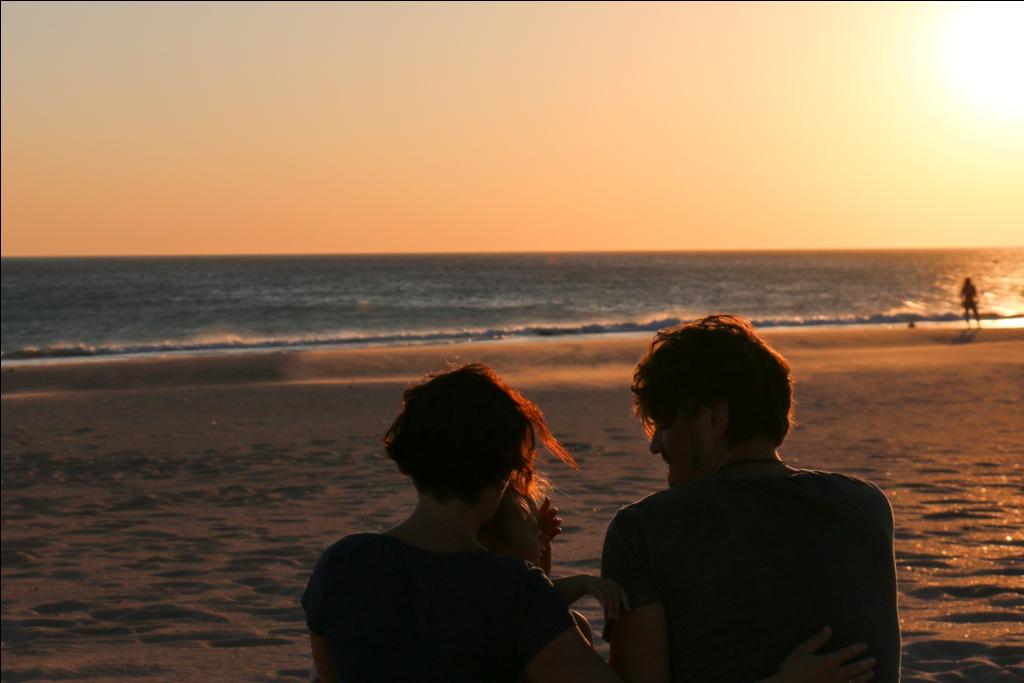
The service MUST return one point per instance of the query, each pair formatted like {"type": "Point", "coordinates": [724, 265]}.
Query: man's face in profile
{"type": "Point", "coordinates": [685, 446]}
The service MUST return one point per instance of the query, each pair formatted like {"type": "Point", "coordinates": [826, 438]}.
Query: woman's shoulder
{"type": "Point", "coordinates": [351, 547]}
{"type": "Point", "coordinates": [377, 543]}
{"type": "Point", "coordinates": [355, 542]}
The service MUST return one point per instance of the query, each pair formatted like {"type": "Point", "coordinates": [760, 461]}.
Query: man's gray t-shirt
{"type": "Point", "coordinates": [748, 567]}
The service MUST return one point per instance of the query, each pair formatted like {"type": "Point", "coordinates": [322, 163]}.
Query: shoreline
{"type": "Point", "coordinates": [409, 362]}
{"type": "Point", "coordinates": [439, 339]}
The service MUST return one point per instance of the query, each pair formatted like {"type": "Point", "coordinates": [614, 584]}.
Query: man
{"type": "Point", "coordinates": [742, 556]}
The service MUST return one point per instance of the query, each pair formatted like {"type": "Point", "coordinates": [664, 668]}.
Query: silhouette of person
{"type": "Point", "coordinates": [969, 300]}
{"type": "Point", "coordinates": [742, 553]}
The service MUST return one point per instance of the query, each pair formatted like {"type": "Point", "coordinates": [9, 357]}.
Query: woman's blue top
{"type": "Point", "coordinates": [392, 612]}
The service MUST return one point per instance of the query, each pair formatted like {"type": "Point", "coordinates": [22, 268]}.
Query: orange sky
{"type": "Point", "coordinates": [305, 128]}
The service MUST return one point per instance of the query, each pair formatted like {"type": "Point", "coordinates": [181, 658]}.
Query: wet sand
{"type": "Point", "coordinates": [160, 518]}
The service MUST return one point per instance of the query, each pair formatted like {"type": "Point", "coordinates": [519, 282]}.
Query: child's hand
{"type": "Point", "coordinates": [609, 594]}
{"type": "Point", "coordinates": [548, 522]}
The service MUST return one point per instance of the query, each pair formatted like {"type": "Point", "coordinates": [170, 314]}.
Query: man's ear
{"type": "Point", "coordinates": [719, 416]}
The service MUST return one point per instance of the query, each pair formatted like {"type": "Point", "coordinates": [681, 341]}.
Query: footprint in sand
{"type": "Point", "coordinates": [266, 586]}
{"type": "Point", "coordinates": [160, 613]}
{"type": "Point", "coordinates": [980, 617]}
{"type": "Point", "coordinates": [61, 607]}
{"type": "Point", "coordinates": [248, 642]}
{"type": "Point", "coordinates": [966, 591]}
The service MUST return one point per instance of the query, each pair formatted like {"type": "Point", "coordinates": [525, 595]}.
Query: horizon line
{"type": "Point", "coordinates": [508, 253]}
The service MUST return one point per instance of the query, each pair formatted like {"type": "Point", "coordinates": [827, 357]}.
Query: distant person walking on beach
{"type": "Point", "coordinates": [969, 300]}
{"type": "Point", "coordinates": [742, 553]}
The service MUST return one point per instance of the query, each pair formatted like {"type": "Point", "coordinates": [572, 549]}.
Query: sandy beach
{"type": "Point", "coordinates": [160, 517]}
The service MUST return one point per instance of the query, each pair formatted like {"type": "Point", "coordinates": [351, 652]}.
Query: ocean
{"type": "Point", "coordinates": [96, 307]}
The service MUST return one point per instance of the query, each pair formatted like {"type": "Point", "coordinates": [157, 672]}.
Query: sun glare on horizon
{"type": "Point", "coordinates": [983, 50]}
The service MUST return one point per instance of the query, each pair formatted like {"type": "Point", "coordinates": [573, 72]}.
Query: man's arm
{"type": "Point", "coordinates": [322, 658]}
{"type": "Point", "coordinates": [639, 637]}
{"type": "Point", "coordinates": [639, 645]}
{"type": "Point", "coordinates": [609, 594]}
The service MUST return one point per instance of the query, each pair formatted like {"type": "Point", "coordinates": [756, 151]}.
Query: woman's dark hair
{"type": "Point", "coordinates": [717, 358]}
{"type": "Point", "coordinates": [463, 430]}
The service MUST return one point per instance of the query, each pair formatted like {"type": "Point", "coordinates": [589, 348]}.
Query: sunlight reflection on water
{"type": "Point", "coordinates": [1006, 323]}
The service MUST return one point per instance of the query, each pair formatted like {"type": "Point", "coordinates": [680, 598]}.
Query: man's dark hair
{"type": "Point", "coordinates": [464, 430]}
{"type": "Point", "coordinates": [717, 358]}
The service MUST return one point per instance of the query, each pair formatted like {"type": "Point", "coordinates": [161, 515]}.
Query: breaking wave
{"type": "Point", "coordinates": [238, 343]}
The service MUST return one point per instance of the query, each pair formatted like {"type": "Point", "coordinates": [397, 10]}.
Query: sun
{"type": "Point", "coordinates": [984, 55]}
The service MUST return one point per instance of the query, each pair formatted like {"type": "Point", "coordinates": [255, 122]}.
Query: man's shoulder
{"type": "Point", "coordinates": [675, 502]}
{"type": "Point", "coordinates": [652, 501]}
{"type": "Point", "coordinates": [713, 492]}
{"type": "Point", "coordinates": [354, 543]}
{"type": "Point", "coordinates": [863, 499]}
{"type": "Point", "coordinates": [838, 483]}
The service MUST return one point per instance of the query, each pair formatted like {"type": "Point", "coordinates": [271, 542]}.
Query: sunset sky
{"type": "Point", "coordinates": [349, 128]}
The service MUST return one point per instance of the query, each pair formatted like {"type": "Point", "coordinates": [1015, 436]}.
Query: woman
{"type": "Point", "coordinates": [425, 601]}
